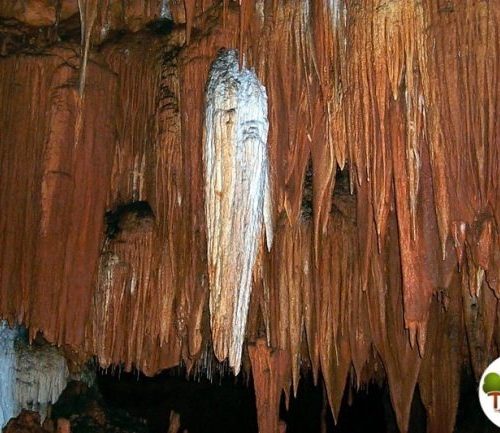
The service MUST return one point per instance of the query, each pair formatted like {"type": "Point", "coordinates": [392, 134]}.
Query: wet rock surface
{"type": "Point", "coordinates": [389, 269]}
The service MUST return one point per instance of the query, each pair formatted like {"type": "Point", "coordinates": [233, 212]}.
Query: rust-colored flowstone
{"type": "Point", "coordinates": [384, 166]}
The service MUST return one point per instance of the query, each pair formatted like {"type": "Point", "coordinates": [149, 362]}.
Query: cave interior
{"type": "Point", "coordinates": [248, 215]}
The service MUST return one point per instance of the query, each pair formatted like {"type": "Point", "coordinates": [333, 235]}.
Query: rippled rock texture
{"type": "Point", "coordinates": [384, 166]}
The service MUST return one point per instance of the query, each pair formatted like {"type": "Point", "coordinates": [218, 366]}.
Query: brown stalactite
{"type": "Point", "coordinates": [403, 95]}
{"type": "Point", "coordinates": [270, 378]}
{"type": "Point", "coordinates": [149, 136]}
{"type": "Point", "coordinates": [336, 279]}
{"type": "Point", "coordinates": [71, 173]}
{"type": "Point", "coordinates": [18, 253]}
{"type": "Point", "coordinates": [478, 305]}
{"type": "Point", "coordinates": [168, 199]}
{"type": "Point", "coordinates": [289, 126]}
{"type": "Point", "coordinates": [417, 289]}
{"type": "Point", "coordinates": [385, 312]}
{"type": "Point", "coordinates": [56, 286]}
{"type": "Point", "coordinates": [287, 290]}
{"type": "Point", "coordinates": [439, 378]}
{"type": "Point", "coordinates": [126, 290]}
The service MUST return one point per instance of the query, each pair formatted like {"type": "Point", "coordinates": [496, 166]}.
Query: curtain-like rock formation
{"type": "Point", "coordinates": [384, 112]}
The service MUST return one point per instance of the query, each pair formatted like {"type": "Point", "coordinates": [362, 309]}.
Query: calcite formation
{"type": "Point", "coordinates": [237, 197]}
{"type": "Point", "coordinates": [31, 377]}
{"type": "Point", "coordinates": [8, 406]}
{"type": "Point", "coordinates": [384, 166]}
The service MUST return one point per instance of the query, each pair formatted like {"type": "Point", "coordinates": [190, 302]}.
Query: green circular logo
{"type": "Point", "coordinates": [489, 392]}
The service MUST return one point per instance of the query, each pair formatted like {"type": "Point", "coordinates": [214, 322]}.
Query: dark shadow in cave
{"type": "Point", "coordinates": [226, 405]}
{"type": "Point", "coordinates": [365, 410]}
{"type": "Point", "coordinates": [470, 416]}
{"type": "Point", "coordinates": [126, 216]}
{"type": "Point", "coordinates": [161, 27]}
{"type": "Point", "coordinates": [343, 201]}
{"type": "Point", "coordinates": [307, 192]}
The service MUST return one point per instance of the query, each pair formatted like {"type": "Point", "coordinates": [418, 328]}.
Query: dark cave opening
{"type": "Point", "coordinates": [306, 206]}
{"type": "Point", "coordinates": [126, 216]}
{"type": "Point", "coordinates": [367, 409]}
{"type": "Point", "coordinates": [470, 417]}
{"type": "Point", "coordinates": [343, 199]}
{"type": "Point", "coordinates": [226, 404]}
{"type": "Point", "coordinates": [120, 402]}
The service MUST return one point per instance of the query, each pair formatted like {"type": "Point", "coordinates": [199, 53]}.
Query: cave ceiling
{"type": "Point", "coordinates": [383, 171]}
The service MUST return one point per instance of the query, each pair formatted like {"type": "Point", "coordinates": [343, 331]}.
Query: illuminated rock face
{"type": "Point", "coordinates": [412, 119]}
{"type": "Point", "coordinates": [237, 196]}
{"type": "Point", "coordinates": [30, 377]}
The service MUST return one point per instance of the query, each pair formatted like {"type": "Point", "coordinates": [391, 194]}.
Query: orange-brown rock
{"type": "Point", "coordinates": [26, 422]}
{"type": "Point", "coordinates": [401, 96]}
{"type": "Point", "coordinates": [270, 370]}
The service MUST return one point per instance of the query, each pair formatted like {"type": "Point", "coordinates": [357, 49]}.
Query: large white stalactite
{"type": "Point", "coordinates": [237, 196]}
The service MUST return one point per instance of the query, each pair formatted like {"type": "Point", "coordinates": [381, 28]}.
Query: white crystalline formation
{"type": "Point", "coordinates": [30, 377]}
{"type": "Point", "coordinates": [165, 10]}
{"type": "Point", "coordinates": [237, 196]}
{"type": "Point", "coordinates": [8, 404]}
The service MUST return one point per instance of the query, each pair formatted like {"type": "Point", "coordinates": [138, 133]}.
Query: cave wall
{"type": "Point", "coordinates": [395, 268]}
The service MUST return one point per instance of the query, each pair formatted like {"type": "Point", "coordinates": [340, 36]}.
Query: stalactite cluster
{"type": "Point", "coordinates": [383, 117]}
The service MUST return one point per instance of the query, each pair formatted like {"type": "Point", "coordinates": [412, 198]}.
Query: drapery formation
{"type": "Point", "coordinates": [392, 263]}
